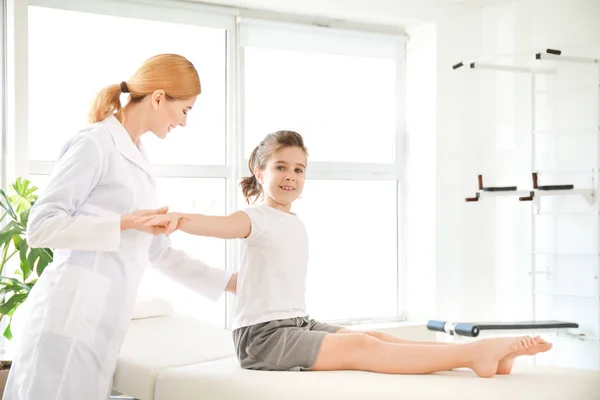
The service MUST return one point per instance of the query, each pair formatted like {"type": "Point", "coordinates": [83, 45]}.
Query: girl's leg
{"type": "Point", "coordinates": [505, 364]}
{"type": "Point", "coordinates": [363, 352]}
{"type": "Point", "coordinates": [386, 337]}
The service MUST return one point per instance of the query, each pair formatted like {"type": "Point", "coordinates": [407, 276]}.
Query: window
{"type": "Point", "coordinates": [193, 195]}
{"type": "Point", "coordinates": [326, 97]}
{"type": "Point", "coordinates": [353, 248]}
{"type": "Point", "coordinates": [342, 90]}
{"type": "Point", "coordinates": [64, 79]}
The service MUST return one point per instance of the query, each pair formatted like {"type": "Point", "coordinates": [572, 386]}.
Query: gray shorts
{"type": "Point", "coordinates": [282, 345]}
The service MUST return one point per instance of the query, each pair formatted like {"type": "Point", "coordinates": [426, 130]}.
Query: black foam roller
{"type": "Point", "coordinates": [466, 330]}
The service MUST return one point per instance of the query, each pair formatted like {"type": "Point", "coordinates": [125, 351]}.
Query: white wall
{"type": "Point", "coordinates": [483, 249]}
{"type": "Point", "coordinates": [420, 173]}
{"type": "Point", "coordinates": [439, 130]}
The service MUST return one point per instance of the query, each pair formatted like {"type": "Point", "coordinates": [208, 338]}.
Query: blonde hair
{"type": "Point", "coordinates": [172, 73]}
{"type": "Point", "coordinates": [260, 155]}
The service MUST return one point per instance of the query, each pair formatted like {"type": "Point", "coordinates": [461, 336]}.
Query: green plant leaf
{"type": "Point", "coordinates": [32, 258]}
{"type": "Point", "coordinates": [7, 233]}
{"type": "Point", "coordinates": [25, 270]}
{"type": "Point", "coordinates": [25, 216]}
{"type": "Point", "coordinates": [24, 187]}
{"type": "Point", "coordinates": [5, 203]}
{"type": "Point", "coordinates": [14, 309]}
{"type": "Point", "coordinates": [15, 284]}
{"type": "Point", "coordinates": [13, 288]}
{"type": "Point", "coordinates": [20, 204]}
{"type": "Point", "coordinates": [45, 259]}
{"type": "Point", "coordinates": [13, 302]}
{"type": "Point", "coordinates": [15, 210]}
{"type": "Point", "coordinates": [7, 332]}
{"type": "Point", "coordinates": [31, 283]}
{"type": "Point", "coordinates": [38, 260]}
{"type": "Point", "coordinates": [25, 194]}
{"type": "Point", "coordinates": [23, 247]}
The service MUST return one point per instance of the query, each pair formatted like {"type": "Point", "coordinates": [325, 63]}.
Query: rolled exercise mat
{"type": "Point", "coordinates": [472, 329]}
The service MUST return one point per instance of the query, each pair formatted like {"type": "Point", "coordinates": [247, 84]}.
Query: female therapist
{"type": "Point", "coordinates": [79, 310]}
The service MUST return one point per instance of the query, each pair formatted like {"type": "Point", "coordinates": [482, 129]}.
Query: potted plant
{"type": "Point", "coordinates": [20, 265]}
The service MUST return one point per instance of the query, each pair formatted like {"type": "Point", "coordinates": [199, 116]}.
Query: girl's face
{"type": "Point", "coordinates": [282, 179]}
{"type": "Point", "coordinates": [168, 113]}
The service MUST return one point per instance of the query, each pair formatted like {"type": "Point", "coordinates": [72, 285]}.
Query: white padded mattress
{"type": "Point", "coordinates": [167, 357]}
{"type": "Point", "coordinates": [225, 380]}
{"type": "Point", "coordinates": [155, 344]}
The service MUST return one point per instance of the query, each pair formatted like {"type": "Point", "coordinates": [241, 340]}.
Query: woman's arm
{"type": "Point", "coordinates": [51, 221]}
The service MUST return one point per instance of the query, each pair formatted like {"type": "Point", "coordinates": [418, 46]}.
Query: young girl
{"type": "Point", "coordinates": [272, 330]}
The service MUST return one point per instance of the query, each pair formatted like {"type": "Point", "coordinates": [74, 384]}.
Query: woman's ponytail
{"type": "Point", "coordinates": [107, 102]}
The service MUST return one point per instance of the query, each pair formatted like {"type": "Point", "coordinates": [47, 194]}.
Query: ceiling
{"type": "Point", "coordinates": [385, 12]}
{"type": "Point", "coordinates": [479, 3]}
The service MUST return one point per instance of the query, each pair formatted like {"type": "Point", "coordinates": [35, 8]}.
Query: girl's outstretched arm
{"type": "Point", "coordinates": [234, 226]}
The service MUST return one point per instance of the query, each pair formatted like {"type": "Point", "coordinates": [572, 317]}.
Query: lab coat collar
{"type": "Point", "coordinates": [125, 146]}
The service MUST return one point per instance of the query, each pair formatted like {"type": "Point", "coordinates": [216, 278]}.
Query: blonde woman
{"type": "Point", "coordinates": [80, 308]}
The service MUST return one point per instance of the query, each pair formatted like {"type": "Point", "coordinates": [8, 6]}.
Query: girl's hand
{"type": "Point", "coordinates": [132, 221]}
{"type": "Point", "coordinates": [169, 222]}
{"type": "Point", "coordinates": [232, 284]}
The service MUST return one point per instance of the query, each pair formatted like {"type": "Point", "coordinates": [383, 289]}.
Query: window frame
{"type": "Point", "coordinates": [321, 170]}
{"type": "Point", "coordinates": [3, 127]}
{"type": "Point", "coordinates": [235, 166]}
{"type": "Point", "coordinates": [3, 98]}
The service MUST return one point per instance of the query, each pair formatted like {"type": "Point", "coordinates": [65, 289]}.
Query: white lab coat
{"type": "Point", "coordinates": [79, 311]}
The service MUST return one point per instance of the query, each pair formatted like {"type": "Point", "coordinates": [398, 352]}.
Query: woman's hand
{"type": "Point", "coordinates": [169, 222]}
{"type": "Point", "coordinates": [132, 221]}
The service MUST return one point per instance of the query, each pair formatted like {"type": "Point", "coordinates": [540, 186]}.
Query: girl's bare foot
{"type": "Point", "coordinates": [505, 364]}
{"type": "Point", "coordinates": [487, 353]}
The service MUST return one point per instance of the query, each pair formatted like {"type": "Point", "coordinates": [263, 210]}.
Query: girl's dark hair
{"type": "Point", "coordinates": [260, 155]}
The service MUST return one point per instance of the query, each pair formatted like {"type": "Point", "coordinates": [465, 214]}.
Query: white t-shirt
{"type": "Point", "coordinates": [272, 278]}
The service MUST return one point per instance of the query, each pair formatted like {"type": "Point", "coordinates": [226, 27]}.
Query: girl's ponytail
{"type": "Point", "coordinates": [250, 186]}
